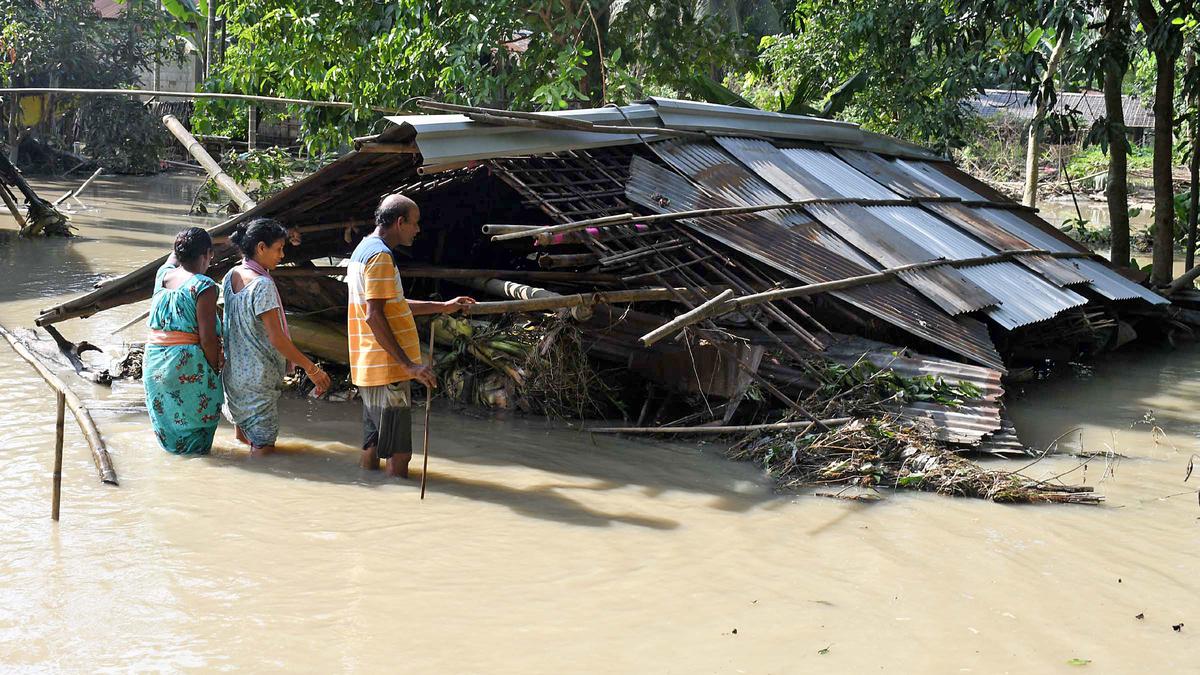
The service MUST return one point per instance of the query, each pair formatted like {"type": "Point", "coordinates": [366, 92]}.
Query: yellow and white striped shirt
{"type": "Point", "coordinates": [377, 279]}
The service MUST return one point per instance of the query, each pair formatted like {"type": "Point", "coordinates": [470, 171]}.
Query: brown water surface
{"type": "Point", "coordinates": [541, 551]}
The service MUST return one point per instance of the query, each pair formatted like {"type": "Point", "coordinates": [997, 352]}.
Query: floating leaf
{"type": "Point", "coordinates": [1078, 662]}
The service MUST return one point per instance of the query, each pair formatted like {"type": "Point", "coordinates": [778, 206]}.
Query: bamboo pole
{"type": "Point", "coordinates": [11, 203]}
{"type": "Point", "coordinates": [222, 179]}
{"type": "Point", "coordinates": [733, 429]}
{"type": "Point", "coordinates": [701, 312]}
{"type": "Point", "coordinates": [734, 304]}
{"type": "Point", "coordinates": [83, 186]}
{"type": "Point", "coordinates": [428, 407]}
{"type": "Point", "coordinates": [82, 417]}
{"type": "Point", "coordinates": [152, 93]}
{"type": "Point", "coordinates": [507, 229]}
{"type": "Point", "coordinates": [56, 497]}
{"type": "Point", "coordinates": [577, 300]}
{"type": "Point", "coordinates": [625, 218]}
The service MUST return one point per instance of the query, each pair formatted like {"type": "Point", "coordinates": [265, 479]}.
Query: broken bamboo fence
{"type": "Point", "coordinates": [67, 399]}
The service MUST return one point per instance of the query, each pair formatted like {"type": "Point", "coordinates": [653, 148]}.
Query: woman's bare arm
{"type": "Point", "coordinates": [206, 318]}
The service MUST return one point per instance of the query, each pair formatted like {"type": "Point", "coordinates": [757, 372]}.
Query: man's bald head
{"type": "Point", "coordinates": [393, 207]}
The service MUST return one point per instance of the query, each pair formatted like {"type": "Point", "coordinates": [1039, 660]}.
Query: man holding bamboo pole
{"type": "Point", "coordinates": [385, 352]}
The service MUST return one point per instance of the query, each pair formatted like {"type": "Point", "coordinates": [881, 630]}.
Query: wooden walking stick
{"type": "Point", "coordinates": [428, 405]}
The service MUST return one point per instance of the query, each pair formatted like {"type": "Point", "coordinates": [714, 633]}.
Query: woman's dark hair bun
{"type": "Point", "coordinates": [192, 243]}
{"type": "Point", "coordinates": [247, 236]}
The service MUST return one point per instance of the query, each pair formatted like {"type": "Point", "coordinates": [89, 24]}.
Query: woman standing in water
{"type": "Point", "coordinates": [182, 363]}
{"type": "Point", "coordinates": [257, 341]}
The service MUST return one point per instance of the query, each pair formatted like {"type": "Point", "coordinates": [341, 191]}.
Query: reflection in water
{"type": "Point", "coordinates": [541, 550]}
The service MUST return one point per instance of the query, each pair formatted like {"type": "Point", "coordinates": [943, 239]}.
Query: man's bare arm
{"type": "Point", "coordinates": [424, 307]}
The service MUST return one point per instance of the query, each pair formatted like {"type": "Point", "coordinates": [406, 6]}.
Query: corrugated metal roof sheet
{"type": "Point", "coordinates": [1059, 271]}
{"type": "Point", "coordinates": [845, 180]}
{"type": "Point", "coordinates": [1024, 297]}
{"type": "Point", "coordinates": [967, 424]}
{"type": "Point", "coordinates": [806, 174]}
{"type": "Point", "coordinates": [1104, 281]}
{"type": "Point", "coordinates": [795, 251]}
{"type": "Point", "coordinates": [716, 119]}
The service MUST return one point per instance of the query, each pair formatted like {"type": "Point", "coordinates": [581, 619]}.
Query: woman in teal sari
{"type": "Point", "coordinates": [181, 369]}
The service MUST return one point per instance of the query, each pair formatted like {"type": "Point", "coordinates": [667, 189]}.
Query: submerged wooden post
{"type": "Point", "coordinates": [222, 179]}
{"type": "Point", "coordinates": [58, 446]}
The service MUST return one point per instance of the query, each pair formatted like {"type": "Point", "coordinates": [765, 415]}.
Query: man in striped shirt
{"type": "Point", "coordinates": [385, 352]}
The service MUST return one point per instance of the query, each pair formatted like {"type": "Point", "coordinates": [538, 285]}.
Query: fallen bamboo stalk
{"type": "Point", "coordinates": [495, 228]}
{"type": "Point", "coordinates": [11, 203]}
{"type": "Point", "coordinates": [732, 429]}
{"type": "Point", "coordinates": [551, 261]}
{"type": "Point", "coordinates": [701, 312]}
{"type": "Point", "coordinates": [82, 417]}
{"type": "Point", "coordinates": [735, 304]}
{"type": "Point", "coordinates": [624, 218]}
{"type": "Point", "coordinates": [577, 300]}
{"type": "Point", "coordinates": [151, 93]}
{"type": "Point", "coordinates": [196, 150]}
{"type": "Point", "coordinates": [83, 186]}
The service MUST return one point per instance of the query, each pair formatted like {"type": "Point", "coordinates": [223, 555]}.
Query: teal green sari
{"type": "Point", "coordinates": [183, 392]}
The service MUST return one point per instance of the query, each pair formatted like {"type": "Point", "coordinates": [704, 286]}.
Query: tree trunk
{"type": "Point", "coordinates": [1194, 177]}
{"type": "Point", "coordinates": [1164, 189]}
{"type": "Point", "coordinates": [210, 24]}
{"type": "Point", "coordinates": [595, 35]}
{"type": "Point", "coordinates": [1117, 188]}
{"type": "Point", "coordinates": [1033, 148]}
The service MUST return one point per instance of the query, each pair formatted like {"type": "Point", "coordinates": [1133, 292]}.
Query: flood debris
{"type": "Point", "coordinates": [680, 265]}
{"type": "Point", "coordinates": [41, 218]}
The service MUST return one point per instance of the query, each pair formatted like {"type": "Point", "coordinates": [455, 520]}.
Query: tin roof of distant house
{"type": "Point", "coordinates": [1089, 105]}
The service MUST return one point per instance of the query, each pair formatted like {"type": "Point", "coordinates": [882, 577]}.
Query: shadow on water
{"type": "Point", "coordinates": [336, 463]}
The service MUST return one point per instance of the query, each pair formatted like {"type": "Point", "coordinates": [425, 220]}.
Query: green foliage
{"type": "Point", "coordinates": [67, 43]}
{"type": "Point", "coordinates": [886, 384]}
{"type": "Point", "coordinates": [1093, 159]}
{"type": "Point", "coordinates": [261, 172]}
{"type": "Point", "coordinates": [545, 54]}
{"type": "Point", "coordinates": [121, 135]}
{"type": "Point", "coordinates": [925, 58]}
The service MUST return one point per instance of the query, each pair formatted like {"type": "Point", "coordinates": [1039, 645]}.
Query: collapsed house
{"type": "Point", "coordinates": [922, 269]}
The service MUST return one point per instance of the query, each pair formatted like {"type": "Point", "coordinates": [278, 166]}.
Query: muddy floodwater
{"type": "Point", "coordinates": [539, 550]}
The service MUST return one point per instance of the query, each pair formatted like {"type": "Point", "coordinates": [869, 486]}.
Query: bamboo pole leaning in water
{"type": "Point", "coordinates": [83, 418]}
{"type": "Point", "coordinates": [428, 405]}
{"type": "Point", "coordinates": [222, 179]}
{"type": "Point", "coordinates": [75, 193]}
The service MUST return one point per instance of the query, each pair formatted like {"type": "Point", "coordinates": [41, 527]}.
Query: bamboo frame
{"type": "Point", "coordinates": [83, 418]}
{"type": "Point", "coordinates": [222, 179]}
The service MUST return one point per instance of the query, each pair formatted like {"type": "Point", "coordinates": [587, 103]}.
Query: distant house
{"type": "Point", "coordinates": [1089, 105]}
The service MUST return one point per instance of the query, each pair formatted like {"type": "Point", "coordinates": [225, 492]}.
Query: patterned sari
{"type": "Point", "coordinates": [183, 392]}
